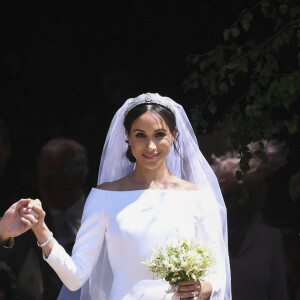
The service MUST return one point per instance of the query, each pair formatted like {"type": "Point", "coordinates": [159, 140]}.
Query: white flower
{"type": "Point", "coordinates": [186, 260]}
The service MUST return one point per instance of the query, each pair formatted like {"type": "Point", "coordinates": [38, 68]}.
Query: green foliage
{"type": "Point", "coordinates": [253, 84]}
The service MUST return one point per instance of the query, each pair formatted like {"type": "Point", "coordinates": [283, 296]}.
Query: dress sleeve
{"type": "Point", "coordinates": [209, 233]}
{"type": "Point", "coordinates": [75, 270]}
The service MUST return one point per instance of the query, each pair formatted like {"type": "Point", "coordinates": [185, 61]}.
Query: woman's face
{"type": "Point", "coordinates": [150, 139]}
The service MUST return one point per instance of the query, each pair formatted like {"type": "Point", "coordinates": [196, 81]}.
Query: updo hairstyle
{"type": "Point", "coordinates": [165, 113]}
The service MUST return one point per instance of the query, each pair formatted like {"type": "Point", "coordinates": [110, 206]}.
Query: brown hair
{"type": "Point", "coordinates": [165, 113]}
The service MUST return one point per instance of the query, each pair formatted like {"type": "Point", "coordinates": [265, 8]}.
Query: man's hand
{"type": "Point", "coordinates": [13, 223]}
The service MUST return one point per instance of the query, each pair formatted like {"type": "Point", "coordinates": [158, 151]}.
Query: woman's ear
{"type": "Point", "coordinates": [174, 133]}
{"type": "Point", "coordinates": [127, 134]}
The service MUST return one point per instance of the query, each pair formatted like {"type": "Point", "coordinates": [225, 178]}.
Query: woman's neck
{"type": "Point", "coordinates": [150, 178]}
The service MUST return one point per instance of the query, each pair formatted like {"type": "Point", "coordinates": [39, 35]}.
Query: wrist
{"type": "Point", "coordinates": [41, 231]}
{"type": "Point", "coordinates": [4, 240]}
{"type": "Point", "coordinates": [44, 239]}
{"type": "Point", "coordinates": [46, 242]}
{"type": "Point", "coordinates": [3, 237]}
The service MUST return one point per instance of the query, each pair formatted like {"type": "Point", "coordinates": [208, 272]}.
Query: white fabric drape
{"type": "Point", "coordinates": [190, 165]}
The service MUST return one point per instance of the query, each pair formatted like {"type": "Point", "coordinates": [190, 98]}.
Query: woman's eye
{"type": "Point", "coordinates": [160, 134]}
{"type": "Point", "coordinates": [140, 135]}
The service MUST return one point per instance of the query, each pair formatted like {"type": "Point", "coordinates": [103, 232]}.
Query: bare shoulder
{"type": "Point", "coordinates": [190, 186]}
{"type": "Point", "coordinates": [117, 185]}
{"type": "Point", "coordinates": [105, 186]}
{"type": "Point", "coordinates": [185, 185]}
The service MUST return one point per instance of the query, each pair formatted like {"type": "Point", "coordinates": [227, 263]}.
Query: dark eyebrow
{"type": "Point", "coordinates": [161, 129]}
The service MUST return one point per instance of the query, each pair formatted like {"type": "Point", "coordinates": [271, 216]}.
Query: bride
{"type": "Point", "coordinates": [154, 186]}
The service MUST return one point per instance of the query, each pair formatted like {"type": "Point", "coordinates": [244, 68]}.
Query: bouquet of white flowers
{"type": "Point", "coordinates": [186, 260]}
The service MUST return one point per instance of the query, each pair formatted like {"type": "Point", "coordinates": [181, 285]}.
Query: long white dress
{"type": "Point", "coordinates": [133, 223]}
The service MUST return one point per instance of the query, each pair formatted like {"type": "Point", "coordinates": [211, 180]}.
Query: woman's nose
{"type": "Point", "coordinates": [151, 145]}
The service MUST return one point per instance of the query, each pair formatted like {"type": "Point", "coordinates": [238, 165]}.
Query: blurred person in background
{"type": "Point", "coordinates": [256, 251]}
{"type": "Point", "coordinates": [62, 169]}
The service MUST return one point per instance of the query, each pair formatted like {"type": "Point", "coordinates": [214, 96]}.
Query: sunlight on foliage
{"type": "Point", "coordinates": [252, 80]}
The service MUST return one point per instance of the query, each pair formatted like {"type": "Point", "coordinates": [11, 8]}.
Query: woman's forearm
{"type": "Point", "coordinates": [42, 234]}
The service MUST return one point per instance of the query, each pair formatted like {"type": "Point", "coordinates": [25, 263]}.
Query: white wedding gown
{"type": "Point", "coordinates": [133, 223]}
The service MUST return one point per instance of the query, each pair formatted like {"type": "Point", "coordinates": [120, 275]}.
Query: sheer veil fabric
{"type": "Point", "coordinates": [190, 165]}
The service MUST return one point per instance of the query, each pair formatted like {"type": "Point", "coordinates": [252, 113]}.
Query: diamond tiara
{"type": "Point", "coordinates": [149, 99]}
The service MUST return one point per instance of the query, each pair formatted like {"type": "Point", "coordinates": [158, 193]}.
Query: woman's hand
{"type": "Point", "coordinates": [194, 289]}
{"type": "Point", "coordinates": [189, 289]}
{"type": "Point", "coordinates": [29, 215]}
{"type": "Point", "coordinates": [40, 229]}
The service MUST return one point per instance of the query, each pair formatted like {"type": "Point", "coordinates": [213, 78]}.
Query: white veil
{"type": "Point", "coordinates": [190, 165]}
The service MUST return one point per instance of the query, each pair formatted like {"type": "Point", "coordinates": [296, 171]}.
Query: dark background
{"type": "Point", "coordinates": [66, 67]}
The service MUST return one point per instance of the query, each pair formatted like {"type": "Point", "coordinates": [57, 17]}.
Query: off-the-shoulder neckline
{"type": "Point", "coordinates": [144, 190]}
